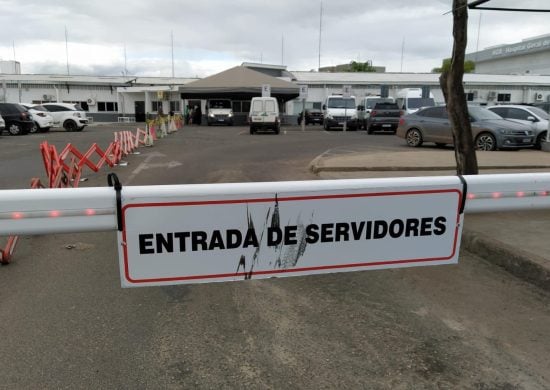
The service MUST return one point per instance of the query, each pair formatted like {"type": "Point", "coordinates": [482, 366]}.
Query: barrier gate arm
{"type": "Point", "coordinates": [67, 210]}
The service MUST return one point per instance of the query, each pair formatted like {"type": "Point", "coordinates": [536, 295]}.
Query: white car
{"type": "Point", "coordinates": [2, 124]}
{"type": "Point", "coordinates": [535, 117]}
{"type": "Point", "coordinates": [40, 116]}
{"type": "Point", "coordinates": [69, 115]}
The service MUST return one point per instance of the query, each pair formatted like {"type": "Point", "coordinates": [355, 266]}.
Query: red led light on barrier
{"type": "Point", "coordinates": [54, 213]}
{"type": "Point", "coordinates": [520, 194]}
{"type": "Point", "coordinates": [17, 215]}
{"type": "Point", "coordinates": [496, 195]}
{"type": "Point", "coordinates": [471, 196]}
{"type": "Point", "coordinates": [90, 212]}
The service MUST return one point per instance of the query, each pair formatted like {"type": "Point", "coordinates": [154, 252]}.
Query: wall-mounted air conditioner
{"type": "Point", "coordinates": [538, 97]}
{"type": "Point", "coordinates": [91, 101]}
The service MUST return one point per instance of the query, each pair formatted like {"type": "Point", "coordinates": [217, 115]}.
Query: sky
{"type": "Point", "coordinates": [209, 36]}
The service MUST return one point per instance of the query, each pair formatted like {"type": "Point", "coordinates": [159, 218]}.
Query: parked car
{"type": "Point", "coordinates": [383, 116]}
{"type": "Point", "coordinates": [69, 115]}
{"type": "Point", "coordinates": [40, 116]}
{"type": "Point", "coordinates": [219, 111]}
{"type": "Point", "coordinates": [489, 130]}
{"type": "Point", "coordinates": [528, 115]}
{"type": "Point", "coordinates": [313, 115]}
{"type": "Point", "coordinates": [17, 118]}
{"type": "Point", "coordinates": [2, 124]}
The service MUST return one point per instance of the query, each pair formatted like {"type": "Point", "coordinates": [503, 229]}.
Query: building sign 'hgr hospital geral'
{"type": "Point", "coordinates": [221, 237]}
{"type": "Point", "coordinates": [529, 46]}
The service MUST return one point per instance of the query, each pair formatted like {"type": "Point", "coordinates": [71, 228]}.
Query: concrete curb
{"type": "Point", "coordinates": [521, 264]}
{"type": "Point", "coordinates": [317, 169]}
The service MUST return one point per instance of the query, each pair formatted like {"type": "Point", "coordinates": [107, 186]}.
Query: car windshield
{"type": "Point", "coordinates": [420, 102]}
{"type": "Point", "coordinates": [77, 107]}
{"type": "Point", "coordinates": [220, 104]}
{"type": "Point", "coordinates": [341, 103]}
{"type": "Point", "coordinates": [373, 102]}
{"type": "Point", "coordinates": [540, 112]}
{"type": "Point", "coordinates": [482, 114]}
{"type": "Point", "coordinates": [40, 108]}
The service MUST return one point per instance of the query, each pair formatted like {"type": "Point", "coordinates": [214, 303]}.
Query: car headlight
{"type": "Point", "coordinates": [211, 115]}
{"type": "Point", "coordinates": [230, 114]}
{"type": "Point", "coordinates": [329, 116]}
{"type": "Point", "coordinates": [506, 131]}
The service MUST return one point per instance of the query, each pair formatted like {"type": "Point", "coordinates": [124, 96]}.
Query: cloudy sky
{"type": "Point", "coordinates": [213, 35]}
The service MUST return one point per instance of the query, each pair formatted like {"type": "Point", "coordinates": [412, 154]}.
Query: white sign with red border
{"type": "Point", "coordinates": [224, 236]}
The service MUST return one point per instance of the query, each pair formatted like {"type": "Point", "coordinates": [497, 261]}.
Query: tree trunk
{"type": "Point", "coordinates": [453, 90]}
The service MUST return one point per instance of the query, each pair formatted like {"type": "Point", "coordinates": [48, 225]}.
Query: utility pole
{"type": "Point", "coordinates": [402, 52]}
{"type": "Point", "coordinates": [320, 30]}
{"type": "Point", "coordinates": [282, 49]}
{"type": "Point", "coordinates": [172, 39]}
{"type": "Point", "coordinates": [67, 50]}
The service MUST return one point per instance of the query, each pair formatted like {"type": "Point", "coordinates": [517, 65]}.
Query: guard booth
{"type": "Point", "coordinates": [239, 84]}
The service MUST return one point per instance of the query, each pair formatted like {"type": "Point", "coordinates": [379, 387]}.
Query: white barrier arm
{"type": "Point", "coordinates": [42, 211]}
{"type": "Point", "coordinates": [507, 192]}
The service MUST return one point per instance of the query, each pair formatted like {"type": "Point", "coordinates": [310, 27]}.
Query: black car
{"type": "Point", "coordinates": [313, 115]}
{"type": "Point", "coordinates": [17, 118]}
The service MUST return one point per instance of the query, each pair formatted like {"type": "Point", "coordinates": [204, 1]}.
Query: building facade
{"type": "Point", "coordinates": [530, 56]}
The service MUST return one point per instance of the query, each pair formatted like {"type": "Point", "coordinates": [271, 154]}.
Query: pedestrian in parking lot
{"type": "Point", "coordinates": [197, 115]}
{"type": "Point", "coordinates": [186, 114]}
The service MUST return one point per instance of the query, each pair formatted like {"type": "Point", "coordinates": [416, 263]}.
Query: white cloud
{"type": "Point", "coordinates": [213, 35]}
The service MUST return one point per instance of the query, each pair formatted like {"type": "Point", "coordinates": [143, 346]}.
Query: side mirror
{"type": "Point", "coordinates": [324, 106]}
{"type": "Point", "coordinates": [531, 118]}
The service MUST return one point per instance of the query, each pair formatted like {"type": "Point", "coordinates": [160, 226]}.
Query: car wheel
{"type": "Point", "coordinates": [15, 129]}
{"type": "Point", "coordinates": [440, 144]}
{"type": "Point", "coordinates": [414, 138]}
{"type": "Point", "coordinates": [44, 129]}
{"type": "Point", "coordinates": [540, 139]}
{"type": "Point", "coordinates": [369, 130]}
{"type": "Point", "coordinates": [69, 125]}
{"type": "Point", "coordinates": [277, 130]}
{"type": "Point", "coordinates": [326, 126]}
{"type": "Point", "coordinates": [252, 131]}
{"type": "Point", "coordinates": [34, 128]}
{"type": "Point", "coordinates": [486, 142]}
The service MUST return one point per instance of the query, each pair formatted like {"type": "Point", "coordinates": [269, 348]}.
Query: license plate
{"type": "Point", "coordinates": [386, 125]}
{"type": "Point", "coordinates": [341, 123]}
{"type": "Point", "coordinates": [257, 119]}
{"type": "Point", "coordinates": [526, 140]}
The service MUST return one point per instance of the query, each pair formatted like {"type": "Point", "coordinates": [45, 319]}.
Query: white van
{"type": "Point", "coordinates": [410, 100]}
{"type": "Point", "coordinates": [337, 110]}
{"type": "Point", "coordinates": [219, 111]}
{"type": "Point", "coordinates": [264, 115]}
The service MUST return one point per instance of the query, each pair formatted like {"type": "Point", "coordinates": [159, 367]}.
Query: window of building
{"type": "Point", "coordinates": [470, 97]}
{"type": "Point", "coordinates": [246, 106]}
{"type": "Point", "coordinates": [236, 106]}
{"type": "Point", "coordinates": [156, 105]}
{"type": "Point", "coordinates": [175, 105]}
{"type": "Point", "coordinates": [504, 97]}
{"type": "Point", "coordinates": [107, 106]}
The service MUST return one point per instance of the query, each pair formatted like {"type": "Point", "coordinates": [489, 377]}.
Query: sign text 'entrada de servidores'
{"type": "Point", "coordinates": [221, 236]}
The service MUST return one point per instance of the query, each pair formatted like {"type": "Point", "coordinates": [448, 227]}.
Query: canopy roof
{"type": "Point", "coordinates": [239, 82]}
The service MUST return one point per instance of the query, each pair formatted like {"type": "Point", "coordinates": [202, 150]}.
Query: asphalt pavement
{"type": "Point", "coordinates": [515, 241]}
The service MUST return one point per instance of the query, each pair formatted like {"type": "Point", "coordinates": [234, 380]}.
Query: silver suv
{"type": "Point", "coordinates": [69, 115]}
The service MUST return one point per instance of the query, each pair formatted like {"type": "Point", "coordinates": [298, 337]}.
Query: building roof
{"type": "Point", "coordinates": [241, 81]}
{"type": "Point", "coordinates": [106, 80]}
{"type": "Point", "coordinates": [413, 79]}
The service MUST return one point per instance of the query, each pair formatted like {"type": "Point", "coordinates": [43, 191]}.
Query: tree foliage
{"type": "Point", "coordinates": [469, 66]}
{"type": "Point", "coordinates": [361, 67]}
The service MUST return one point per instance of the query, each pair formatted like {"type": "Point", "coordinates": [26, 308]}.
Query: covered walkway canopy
{"type": "Point", "coordinates": [239, 83]}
